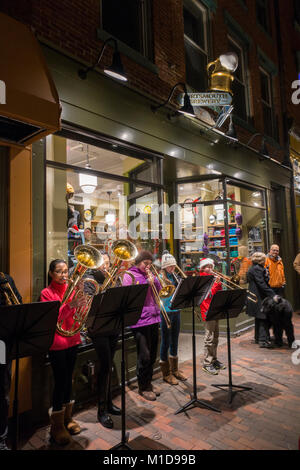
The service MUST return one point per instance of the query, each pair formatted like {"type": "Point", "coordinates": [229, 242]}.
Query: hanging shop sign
{"type": "Point", "coordinates": [208, 99]}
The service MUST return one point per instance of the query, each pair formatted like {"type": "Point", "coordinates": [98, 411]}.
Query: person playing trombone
{"type": "Point", "coordinates": [169, 336]}
{"type": "Point", "coordinates": [211, 364]}
{"type": "Point", "coordinates": [145, 331]}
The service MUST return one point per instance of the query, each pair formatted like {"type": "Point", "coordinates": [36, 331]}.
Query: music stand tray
{"type": "Point", "coordinates": [228, 304]}
{"type": "Point", "coordinates": [114, 310]}
{"type": "Point", "coordinates": [27, 329]}
{"type": "Point", "coordinates": [191, 291]}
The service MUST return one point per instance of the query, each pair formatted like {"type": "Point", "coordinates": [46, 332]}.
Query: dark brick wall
{"type": "Point", "coordinates": [72, 26]}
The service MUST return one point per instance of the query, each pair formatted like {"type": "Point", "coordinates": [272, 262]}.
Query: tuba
{"type": "Point", "coordinates": [87, 257]}
{"type": "Point", "coordinates": [123, 250]}
{"type": "Point", "coordinates": [10, 296]}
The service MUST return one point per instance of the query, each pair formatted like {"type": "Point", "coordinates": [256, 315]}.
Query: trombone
{"type": "Point", "coordinates": [166, 291]}
{"type": "Point", "coordinates": [227, 282]}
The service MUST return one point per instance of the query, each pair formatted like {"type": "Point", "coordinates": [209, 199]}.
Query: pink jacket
{"type": "Point", "coordinates": [56, 291]}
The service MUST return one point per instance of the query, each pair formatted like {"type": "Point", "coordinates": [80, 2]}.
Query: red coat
{"type": "Point", "coordinates": [56, 291]}
{"type": "Point", "coordinates": [206, 302]}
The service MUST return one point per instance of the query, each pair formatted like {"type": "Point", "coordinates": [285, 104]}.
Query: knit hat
{"type": "Point", "coordinates": [205, 261]}
{"type": "Point", "coordinates": [167, 260]}
{"type": "Point", "coordinates": [144, 254]}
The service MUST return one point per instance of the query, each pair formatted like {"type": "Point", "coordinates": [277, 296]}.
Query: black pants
{"type": "Point", "coordinates": [5, 381]}
{"type": "Point", "coordinates": [62, 363]}
{"type": "Point", "coordinates": [146, 338]}
{"type": "Point", "coordinates": [261, 330]}
{"type": "Point", "coordinates": [105, 347]}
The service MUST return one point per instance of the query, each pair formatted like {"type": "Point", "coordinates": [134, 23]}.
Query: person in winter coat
{"type": "Point", "coordinates": [258, 279]}
{"type": "Point", "coordinates": [211, 364]}
{"type": "Point", "coordinates": [169, 337]}
{"type": "Point", "coordinates": [62, 354]}
{"type": "Point", "coordinates": [276, 270]}
{"type": "Point", "coordinates": [146, 330]}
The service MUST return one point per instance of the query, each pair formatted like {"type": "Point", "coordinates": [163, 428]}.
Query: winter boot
{"type": "Point", "coordinates": [58, 432]}
{"type": "Point", "coordinates": [70, 424]}
{"type": "Point", "coordinates": [174, 368]}
{"type": "Point", "coordinates": [167, 375]}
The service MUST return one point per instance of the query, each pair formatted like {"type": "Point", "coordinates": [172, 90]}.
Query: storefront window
{"type": "Point", "coordinates": [84, 206]}
{"type": "Point", "coordinates": [207, 231]}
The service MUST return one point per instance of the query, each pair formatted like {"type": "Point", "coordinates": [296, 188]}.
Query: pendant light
{"type": "Point", "coordinates": [88, 183]}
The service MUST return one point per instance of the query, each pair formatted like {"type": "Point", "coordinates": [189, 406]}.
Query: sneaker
{"type": "Point", "coordinates": [155, 389]}
{"type": "Point", "coordinates": [219, 365]}
{"type": "Point", "coordinates": [265, 344]}
{"type": "Point", "coordinates": [210, 369]}
{"type": "Point", "coordinates": [148, 395]}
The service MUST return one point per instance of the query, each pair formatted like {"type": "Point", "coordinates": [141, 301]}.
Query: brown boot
{"type": "Point", "coordinates": [174, 368]}
{"type": "Point", "coordinates": [167, 375]}
{"type": "Point", "coordinates": [70, 424]}
{"type": "Point", "coordinates": [58, 431]}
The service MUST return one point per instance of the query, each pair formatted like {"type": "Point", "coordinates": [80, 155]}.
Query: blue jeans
{"type": "Point", "coordinates": [169, 337]}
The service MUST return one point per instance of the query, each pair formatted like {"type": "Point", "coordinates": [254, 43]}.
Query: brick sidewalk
{"type": "Point", "coordinates": [264, 418]}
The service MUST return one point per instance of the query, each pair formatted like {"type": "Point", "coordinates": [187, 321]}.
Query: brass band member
{"type": "Point", "coordinates": [62, 355]}
{"type": "Point", "coordinates": [105, 345]}
{"type": "Point", "coordinates": [146, 329]}
{"type": "Point", "coordinates": [5, 369]}
{"type": "Point", "coordinates": [169, 336]}
{"type": "Point", "coordinates": [211, 337]}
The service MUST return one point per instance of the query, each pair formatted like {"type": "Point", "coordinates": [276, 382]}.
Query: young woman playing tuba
{"type": "Point", "coordinates": [62, 353]}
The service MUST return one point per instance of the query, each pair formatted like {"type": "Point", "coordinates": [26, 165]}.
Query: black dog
{"type": "Point", "coordinates": [279, 313]}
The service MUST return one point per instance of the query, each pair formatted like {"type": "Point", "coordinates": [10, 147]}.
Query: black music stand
{"type": "Point", "coordinates": [192, 291]}
{"type": "Point", "coordinates": [113, 310]}
{"type": "Point", "coordinates": [228, 304]}
{"type": "Point", "coordinates": [26, 329]}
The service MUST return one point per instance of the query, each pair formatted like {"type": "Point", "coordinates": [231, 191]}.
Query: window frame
{"type": "Point", "coordinates": [145, 30]}
{"type": "Point", "coordinates": [265, 5]}
{"type": "Point", "coordinates": [187, 4]}
{"type": "Point", "coordinates": [244, 83]}
{"type": "Point", "coordinates": [265, 103]}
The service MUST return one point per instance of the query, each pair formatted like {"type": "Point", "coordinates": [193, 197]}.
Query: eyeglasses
{"type": "Point", "coordinates": [60, 273]}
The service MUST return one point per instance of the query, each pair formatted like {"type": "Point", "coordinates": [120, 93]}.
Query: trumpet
{"type": "Point", "coordinates": [227, 282]}
{"type": "Point", "coordinates": [87, 257]}
{"type": "Point", "coordinates": [166, 289]}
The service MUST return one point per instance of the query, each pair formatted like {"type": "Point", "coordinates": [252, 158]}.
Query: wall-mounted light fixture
{"type": "Point", "coordinates": [231, 133]}
{"type": "Point", "coordinates": [88, 183]}
{"type": "Point", "coordinates": [186, 109]}
{"type": "Point", "coordinates": [115, 70]}
{"type": "Point", "coordinates": [263, 148]}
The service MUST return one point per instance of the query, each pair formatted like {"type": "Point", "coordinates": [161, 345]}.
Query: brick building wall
{"type": "Point", "coordinates": [71, 26]}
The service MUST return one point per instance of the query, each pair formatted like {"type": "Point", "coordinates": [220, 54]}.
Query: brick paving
{"type": "Point", "coordinates": [264, 418]}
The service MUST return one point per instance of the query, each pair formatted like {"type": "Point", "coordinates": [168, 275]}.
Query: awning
{"type": "Point", "coordinates": [29, 102]}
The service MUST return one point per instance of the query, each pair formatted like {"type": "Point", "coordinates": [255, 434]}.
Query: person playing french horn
{"type": "Point", "coordinates": [169, 336]}
{"type": "Point", "coordinates": [62, 354]}
{"type": "Point", "coordinates": [146, 330]}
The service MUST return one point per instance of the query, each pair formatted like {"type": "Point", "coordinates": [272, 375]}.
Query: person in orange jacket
{"type": "Point", "coordinates": [276, 270]}
{"type": "Point", "coordinates": [211, 364]}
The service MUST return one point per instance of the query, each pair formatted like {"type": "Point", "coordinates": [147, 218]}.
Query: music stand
{"type": "Point", "coordinates": [26, 329]}
{"type": "Point", "coordinates": [114, 310]}
{"type": "Point", "coordinates": [228, 304]}
{"type": "Point", "coordinates": [191, 291]}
